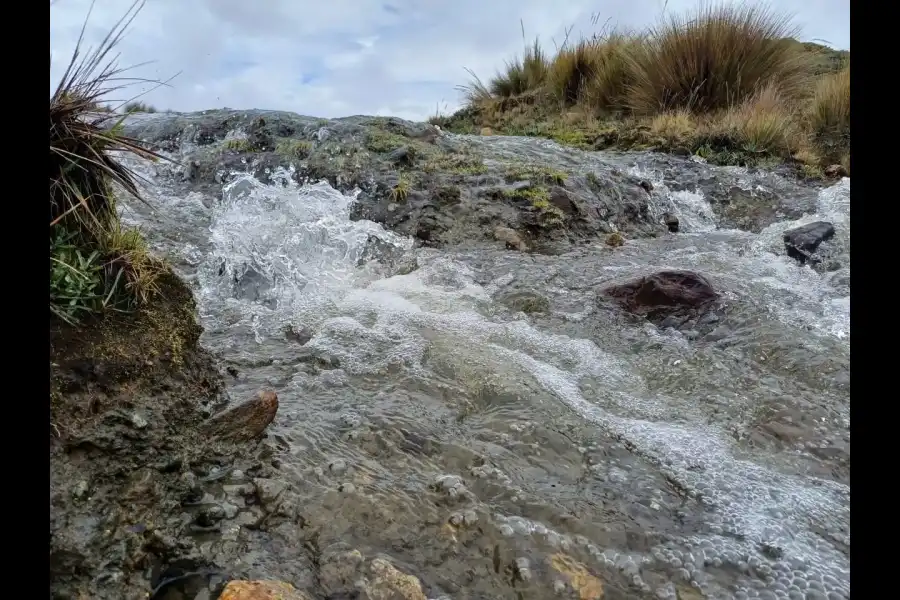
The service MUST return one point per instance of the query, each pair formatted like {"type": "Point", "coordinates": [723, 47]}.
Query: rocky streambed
{"type": "Point", "coordinates": [504, 369]}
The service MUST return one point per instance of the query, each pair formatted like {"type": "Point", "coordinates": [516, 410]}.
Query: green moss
{"type": "Point", "coordinates": [381, 142]}
{"type": "Point", "coordinates": [238, 145]}
{"type": "Point", "coordinates": [539, 197]}
{"type": "Point", "coordinates": [458, 164]}
{"type": "Point", "coordinates": [296, 149]}
{"type": "Point", "coordinates": [535, 174]}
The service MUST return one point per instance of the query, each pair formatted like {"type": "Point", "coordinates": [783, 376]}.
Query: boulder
{"type": "Point", "coordinates": [663, 294]}
{"type": "Point", "coordinates": [261, 590]}
{"type": "Point", "coordinates": [672, 223]}
{"type": "Point", "coordinates": [802, 242]}
{"type": "Point", "coordinates": [246, 421]}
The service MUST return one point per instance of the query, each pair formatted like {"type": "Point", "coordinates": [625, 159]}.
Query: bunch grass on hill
{"type": "Point", "coordinates": [726, 81]}
{"type": "Point", "coordinates": [95, 263]}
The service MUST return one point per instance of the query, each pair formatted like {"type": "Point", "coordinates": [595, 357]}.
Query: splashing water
{"type": "Point", "coordinates": [667, 431]}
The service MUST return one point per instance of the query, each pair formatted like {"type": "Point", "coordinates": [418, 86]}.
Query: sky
{"type": "Point", "coordinates": [337, 58]}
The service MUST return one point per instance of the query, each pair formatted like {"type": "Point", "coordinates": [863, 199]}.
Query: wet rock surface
{"type": "Point", "coordinates": [246, 421]}
{"type": "Point", "coordinates": [665, 296]}
{"type": "Point", "coordinates": [802, 242]}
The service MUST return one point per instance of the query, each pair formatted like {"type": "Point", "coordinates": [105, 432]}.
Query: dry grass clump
{"type": "Point", "coordinates": [715, 58]}
{"type": "Point", "coordinates": [726, 81]}
{"type": "Point", "coordinates": [138, 107]}
{"type": "Point", "coordinates": [95, 264]}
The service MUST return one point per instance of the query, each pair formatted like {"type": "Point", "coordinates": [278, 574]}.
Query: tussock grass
{"type": "Point", "coordinates": [138, 107]}
{"type": "Point", "coordinates": [830, 108]}
{"type": "Point", "coordinates": [715, 58]}
{"type": "Point", "coordinates": [95, 263]}
{"type": "Point", "coordinates": [725, 81]}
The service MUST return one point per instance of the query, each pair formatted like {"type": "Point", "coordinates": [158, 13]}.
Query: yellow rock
{"type": "Point", "coordinates": [586, 585]}
{"type": "Point", "coordinates": [391, 584]}
{"type": "Point", "coordinates": [261, 590]}
{"type": "Point", "coordinates": [487, 131]}
{"type": "Point", "coordinates": [615, 239]}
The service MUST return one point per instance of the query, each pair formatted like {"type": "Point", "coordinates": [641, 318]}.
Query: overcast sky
{"type": "Point", "coordinates": [344, 57]}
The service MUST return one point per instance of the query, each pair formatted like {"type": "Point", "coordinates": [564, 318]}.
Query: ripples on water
{"type": "Point", "coordinates": [639, 433]}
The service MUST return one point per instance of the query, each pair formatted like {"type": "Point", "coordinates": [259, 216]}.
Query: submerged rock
{"type": "Point", "coordinates": [390, 584]}
{"type": "Point", "coordinates": [802, 242]}
{"type": "Point", "coordinates": [245, 421]}
{"type": "Point", "coordinates": [586, 585]}
{"type": "Point", "coordinates": [672, 223]}
{"type": "Point", "coordinates": [525, 301]}
{"type": "Point", "coordinates": [509, 237]}
{"type": "Point", "coordinates": [261, 590]}
{"type": "Point", "coordinates": [663, 294]}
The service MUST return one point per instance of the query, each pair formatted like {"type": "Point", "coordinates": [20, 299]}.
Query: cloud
{"type": "Point", "coordinates": [342, 57]}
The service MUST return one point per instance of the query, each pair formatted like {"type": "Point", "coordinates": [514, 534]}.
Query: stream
{"type": "Point", "coordinates": [498, 454]}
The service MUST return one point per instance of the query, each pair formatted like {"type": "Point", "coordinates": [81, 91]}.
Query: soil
{"type": "Point", "coordinates": [128, 396]}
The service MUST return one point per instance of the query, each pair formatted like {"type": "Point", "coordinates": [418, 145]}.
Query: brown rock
{"type": "Point", "coordinates": [615, 239]}
{"type": "Point", "coordinates": [261, 590]}
{"type": "Point", "coordinates": [512, 239]}
{"type": "Point", "coordinates": [487, 131]}
{"type": "Point", "coordinates": [835, 171]}
{"type": "Point", "coordinates": [585, 585]}
{"type": "Point", "coordinates": [390, 584]}
{"type": "Point", "coordinates": [245, 421]}
{"type": "Point", "coordinates": [662, 294]}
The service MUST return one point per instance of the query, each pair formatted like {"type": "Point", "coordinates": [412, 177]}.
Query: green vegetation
{"type": "Point", "coordinates": [238, 145]}
{"type": "Point", "coordinates": [296, 149]}
{"type": "Point", "coordinates": [726, 82]}
{"type": "Point", "coordinates": [95, 263]}
{"type": "Point", "coordinates": [539, 198]}
{"type": "Point", "coordinates": [138, 107]}
{"type": "Point", "coordinates": [401, 190]}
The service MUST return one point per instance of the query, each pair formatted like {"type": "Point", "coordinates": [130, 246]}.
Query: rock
{"type": "Point", "coordinates": [671, 222]}
{"type": "Point", "coordinates": [646, 185]}
{"type": "Point", "coordinates": [585, 585]}
{"type": "Point", "coordinates": [245, 421]}
{"type": "Point", "coordinates": [268, 490]}
{"type": "Point", "coordinates": [525, 301]}
{"type": "Point", "coordinates": [835, 171]}
{"type": "Point", "coordinates": [261, 590]}
{"type": "Point", "coordinates": [615, 239]}
{"type": "Point", "coordinates": [664, 294]}
{"type": "Point", "coordinates": [401, 156]}
{"type": "Point", "coordinates": [487, 131]}
{"type": "Point", "coordinates": [801, 242]}
{"type": "Point", "coordinates": [390, 584]}
{"type": "Point", "coordinates": [512, 239]}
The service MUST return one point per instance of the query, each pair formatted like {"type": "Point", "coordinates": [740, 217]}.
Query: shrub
{"type": "Point", "coordinates": [715, 58]}
{"type": "Point", "coordinates": [95, 264]}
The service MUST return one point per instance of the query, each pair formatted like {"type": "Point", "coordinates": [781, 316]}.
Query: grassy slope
{"type": "Point", "coordinates": [762, 97]}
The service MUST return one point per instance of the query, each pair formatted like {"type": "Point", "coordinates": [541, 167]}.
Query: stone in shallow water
{"type": "Point", "coordinates": [663, 294]}
{"type": "Point", "coordinates": [587, 586]}
{"type": "Point", "coordinates": [261, 590]}
{"type": "Point", "coordinates": [245, 421]}
{"type": "Point", "coordinates": [390, 584]}
{"type": "Point", "coordinates": [801, 242]}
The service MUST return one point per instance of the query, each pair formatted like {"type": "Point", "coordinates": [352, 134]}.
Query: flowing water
{"type": "Point", "coordinates": [461, 438]}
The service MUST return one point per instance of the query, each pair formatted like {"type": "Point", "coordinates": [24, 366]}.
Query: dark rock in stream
{"type": "Point", "coordinates": [664, 297]}
{"type": "Point", "coordinates": [802, 242]}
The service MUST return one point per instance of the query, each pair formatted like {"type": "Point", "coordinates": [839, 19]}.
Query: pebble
{"type": "Point", "coordinates": [347, 488]}
{"type": "Point", "coordinates": [337, 466]}
{"type": "Point", "coordinates": [80, 490]}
